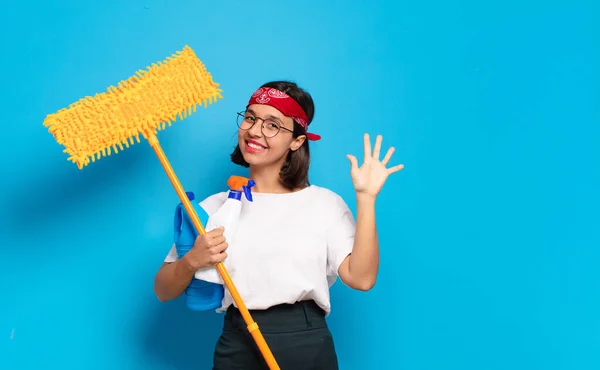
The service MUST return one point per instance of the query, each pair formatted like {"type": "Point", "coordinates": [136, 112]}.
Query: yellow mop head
{"type": "Point", "coordinates": [93, 127]}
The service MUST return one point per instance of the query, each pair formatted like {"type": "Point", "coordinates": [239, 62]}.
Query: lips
{"type": "Point", "coordinates": [254, 147]}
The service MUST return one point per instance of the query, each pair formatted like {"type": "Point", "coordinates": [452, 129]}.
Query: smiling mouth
{"type": "Point", "coordinates": [254, 147]}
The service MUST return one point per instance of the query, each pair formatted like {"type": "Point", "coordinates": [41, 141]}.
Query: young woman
{"type": "Point", "coordinates": [293, 241]}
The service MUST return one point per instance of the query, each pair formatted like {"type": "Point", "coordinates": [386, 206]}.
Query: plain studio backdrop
{"type": "Point", "coordinates": [490, 237]}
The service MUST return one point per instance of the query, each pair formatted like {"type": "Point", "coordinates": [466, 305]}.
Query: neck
{"type": "Point", "coordinates": [267, 180]}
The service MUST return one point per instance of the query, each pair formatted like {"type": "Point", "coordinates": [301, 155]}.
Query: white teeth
{"type": "Point", "coordinates": [254, 146]}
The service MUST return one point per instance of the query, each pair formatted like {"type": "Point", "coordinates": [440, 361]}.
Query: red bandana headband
{"type": "Point", "coordinates": [285, 104]}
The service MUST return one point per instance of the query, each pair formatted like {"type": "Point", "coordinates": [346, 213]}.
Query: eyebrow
{"type": "Point", "coordinates": [269, 116]}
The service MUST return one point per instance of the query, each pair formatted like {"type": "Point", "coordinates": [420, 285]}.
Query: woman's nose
{"type": "Point", "coordinates": [256, 129]}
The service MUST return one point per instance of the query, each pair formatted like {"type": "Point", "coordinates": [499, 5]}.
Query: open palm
{"type": "Point", "coordinates": [369, 178]}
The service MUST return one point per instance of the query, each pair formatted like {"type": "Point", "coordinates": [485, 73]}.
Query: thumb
{"type": "Point", "coordinates": [353, 161]}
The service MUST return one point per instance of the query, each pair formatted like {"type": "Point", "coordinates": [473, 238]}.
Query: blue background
{"type": "Point", "coordinates": [490, 238]}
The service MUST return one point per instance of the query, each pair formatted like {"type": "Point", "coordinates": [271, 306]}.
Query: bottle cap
{"type": "Point", "coordinates": [238, 184]}
{"type": "Point", "coordinates": [190, 195]}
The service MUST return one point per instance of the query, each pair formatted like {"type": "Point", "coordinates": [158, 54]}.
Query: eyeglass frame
{"type": "Point", "coordinates": [242, 114]}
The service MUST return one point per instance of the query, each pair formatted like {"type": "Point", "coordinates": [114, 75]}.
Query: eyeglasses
{"type": "Point", "coordinates": [269, 128]}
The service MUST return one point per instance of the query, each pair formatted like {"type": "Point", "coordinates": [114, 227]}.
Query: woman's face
{"type": "Point", "coordinates": [255, 144]}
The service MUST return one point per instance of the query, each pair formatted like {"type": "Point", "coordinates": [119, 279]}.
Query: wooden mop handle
{"type": "Point", "coordinates": [252, 326]}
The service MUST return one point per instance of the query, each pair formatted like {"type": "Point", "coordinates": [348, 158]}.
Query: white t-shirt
{"type": "Point", "coordinates": [288, 246]}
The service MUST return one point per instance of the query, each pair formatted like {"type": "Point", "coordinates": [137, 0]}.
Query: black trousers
{"type": "Point", "coordinates": [297, 335]}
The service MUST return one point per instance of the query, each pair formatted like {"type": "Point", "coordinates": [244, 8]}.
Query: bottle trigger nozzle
{"type": "Point", "coordinates": [248, 190]}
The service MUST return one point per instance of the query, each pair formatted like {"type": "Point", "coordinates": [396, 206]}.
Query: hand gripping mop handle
{"type": "Point", "coordinates": [252, 326]}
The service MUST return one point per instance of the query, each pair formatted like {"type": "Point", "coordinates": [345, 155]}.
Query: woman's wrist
{"type": "Point", "coordinates": [184, 267]}
{"type": "Point", "coordinates": [365, 199]}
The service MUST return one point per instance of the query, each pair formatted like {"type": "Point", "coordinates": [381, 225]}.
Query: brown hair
{"type": "Point", "coordinates": [294, 172]}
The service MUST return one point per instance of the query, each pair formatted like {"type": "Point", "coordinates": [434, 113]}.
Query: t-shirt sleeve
{"type": "Point", "coordinates": [340, 236]}
{"type": "Point", "coordinates": [172, 256]}
{"type": "Point", "coordinates": [209, 205]}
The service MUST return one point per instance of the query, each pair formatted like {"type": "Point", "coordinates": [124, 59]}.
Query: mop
{"type": "Point", "coordinates": [149, 101]}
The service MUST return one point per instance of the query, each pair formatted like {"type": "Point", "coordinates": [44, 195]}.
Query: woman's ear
{"type": "Point", "coordinates": [297, 143]}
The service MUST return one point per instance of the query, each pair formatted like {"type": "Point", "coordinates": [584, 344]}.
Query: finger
{"type": "Point", "coordinates": [223, 256]}
{"type": "Point", "coordinates": [388, 156]}
{"type": "Point", "coordinates": [216, 241]}
{"type": "Point", "coordinates": [367, 145]}
{"type": "Point", "coordinates": [216, 231]}
{"type": "Point", "coordinates": [377, 148]}
{"type": "Point", "coordinates": [217, 258]}
{"type": "Point", "coordinates": [353, 162]}
{"type": "Point", "coordinates": [395, 168]}
{"type": "Point", "coordinates": [220, 248]}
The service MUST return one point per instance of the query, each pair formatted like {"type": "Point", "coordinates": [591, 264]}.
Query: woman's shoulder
{"type": "Point", "coordinates": [327, 196]}
{"type": "Point", "coordinates": [331, 206]}
{"type": "Point", "coordinates": [323, 192]}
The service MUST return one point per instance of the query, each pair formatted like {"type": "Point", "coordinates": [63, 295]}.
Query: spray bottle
{"type": "Point", "coordinates": [228, 216]}
{"type": "Point", "coordinates": [199, 295]}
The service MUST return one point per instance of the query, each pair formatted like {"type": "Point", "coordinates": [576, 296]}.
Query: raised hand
{"type": "Point", "coordinates": [369, 178]}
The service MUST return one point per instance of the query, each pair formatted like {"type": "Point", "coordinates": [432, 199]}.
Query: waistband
{"type": "Point", "coordinates": [283, 318]}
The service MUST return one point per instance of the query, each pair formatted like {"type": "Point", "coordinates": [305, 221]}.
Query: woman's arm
{"type": "Point", "coordinates": [172, 278]}
{"type": "Point", "coordinates": [359, 270]}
